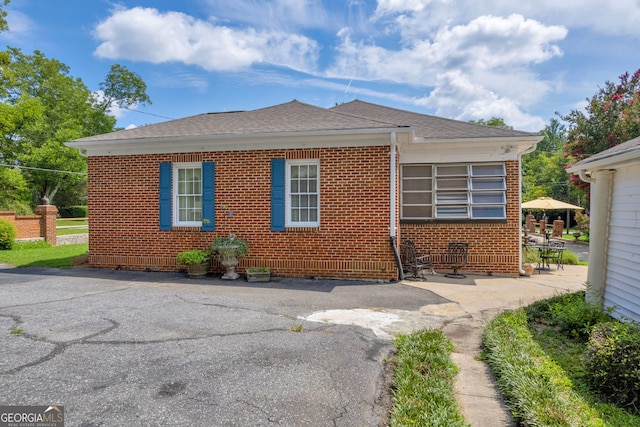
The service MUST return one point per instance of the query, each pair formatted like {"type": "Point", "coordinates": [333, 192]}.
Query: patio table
{"type": "Point", "coordinates": [548, 252]}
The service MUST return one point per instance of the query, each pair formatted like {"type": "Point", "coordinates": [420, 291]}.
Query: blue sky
{"type": "Point", "coordinates": [521, 61]}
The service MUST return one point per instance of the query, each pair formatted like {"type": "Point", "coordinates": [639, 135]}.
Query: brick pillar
{"type": "Point", "coordinates": [48, 214]}
{"type": "Point", "coordinates": [558, 226]}
{"type": "Point", "coordinates": [530, 223]}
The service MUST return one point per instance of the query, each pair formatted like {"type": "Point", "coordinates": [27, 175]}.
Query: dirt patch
{"type": "Point", "coordinates": [81, 261]}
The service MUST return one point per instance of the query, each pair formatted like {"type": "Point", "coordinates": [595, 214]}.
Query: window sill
{"type": "Point", "coordinates": [302, 229]}
{"type": "Point", "coordinates": [454, 221]}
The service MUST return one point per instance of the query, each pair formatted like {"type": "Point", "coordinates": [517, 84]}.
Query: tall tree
{"type": "Point", "coordinates": [612, 116]}
{"type": "Point", "coordinates": [3, 16]}
{"type": "Point", "coordinates": [122, 88]}
{"type": "Point", "coordinates": [43, 106]}
{"type": "Point", "coordinates": [543, 171]}
{"type": "Point", "coordinates": [48, 107]}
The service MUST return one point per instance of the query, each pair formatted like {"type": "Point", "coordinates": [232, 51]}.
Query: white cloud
{"type": "Point", "coordinates": [20, 25]}
{"type": "Point", "coordinates": [456, 96]}
{"type": "Point", "coordinates": [145, 34]}
{"type": "Point", "coordinates": [477, 69]}
{"type": "Point", "coordinates": [422, 16]}
{"type": "Point", "coordinates": [280, 14]}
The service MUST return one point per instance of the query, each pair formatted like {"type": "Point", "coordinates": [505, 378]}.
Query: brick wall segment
{"type": "Point", "coordinates": [351, 242]}
{"type": "Point", "coordinates": [39, 226]}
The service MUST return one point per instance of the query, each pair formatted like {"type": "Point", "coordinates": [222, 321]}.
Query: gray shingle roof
{"type": "Point", "coordinates": [621, 150]}
{"type": "Point", "coordinates": [296, 116]}
{"type": "Point", "coordinates": [292, 116]}
{"type": "Point", "coordinates": [424, 125]}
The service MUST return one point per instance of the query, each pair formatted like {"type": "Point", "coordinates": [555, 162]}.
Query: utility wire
{"type": "Point", "coordinates": [148, 114]}
{"type": "Point", "coordinates": [41, 169]}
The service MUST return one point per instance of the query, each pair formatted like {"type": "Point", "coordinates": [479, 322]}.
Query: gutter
{"type": "Point", "coordinates": [584, 177]}
{"type": "Point", "coordinates": [393, 202]}
{"type": "Point", "coordinates": [527, 151]}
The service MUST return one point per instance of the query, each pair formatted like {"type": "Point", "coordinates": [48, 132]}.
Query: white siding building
{"type": "Point", "coordinates": [614, 250]}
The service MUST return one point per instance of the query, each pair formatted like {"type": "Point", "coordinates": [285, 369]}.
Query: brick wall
{"type": "Point", "coordinates": [493, 248]}
{"type": "Point", "coordinates": [351, 242]}
{"type": "Point", "coordinates": [42, 225]}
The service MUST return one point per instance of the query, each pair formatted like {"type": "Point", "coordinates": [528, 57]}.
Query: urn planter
{"type": "Point", "coordinates": [229, 250]}
{"type": "Point", "coordinates": [229, 259]}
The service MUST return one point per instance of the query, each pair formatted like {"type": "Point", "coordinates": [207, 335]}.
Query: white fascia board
{"type": "Point", "coordinates": [614, 162]}
{"type": "Point", "coordinates": [264, 141]}
{"type": "Point", "coordinates": [466, 149]}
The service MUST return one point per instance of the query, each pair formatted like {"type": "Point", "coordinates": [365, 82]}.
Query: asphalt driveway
{"type": "Point", "coordinates": [127, 348]}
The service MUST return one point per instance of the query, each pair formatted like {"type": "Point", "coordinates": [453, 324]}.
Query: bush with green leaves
{"type": "Point", "coordinates": [8, 234]}
{"type": "Point", "coordinates": [570, 313]}
{"type": "Point", "coordinates": [73, 211]}
{"type": "Point", "coordinates": [613, 363]}
{"type": "Point", "coordinates": [194, 256]}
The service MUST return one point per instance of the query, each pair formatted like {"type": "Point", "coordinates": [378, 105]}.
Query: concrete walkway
{"type": "Point", "coordinates": [481, 298]}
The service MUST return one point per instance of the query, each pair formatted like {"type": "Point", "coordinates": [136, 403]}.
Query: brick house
{"type": "Point", "coordinates": [314, 191]}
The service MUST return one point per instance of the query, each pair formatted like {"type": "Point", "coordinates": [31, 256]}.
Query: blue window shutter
{"type": "Point", "coordinates": [165, 196]}
{"type": "Point", "coordinates": [208, 196]}
{"type": "Point", "coordinates": [277, 194]}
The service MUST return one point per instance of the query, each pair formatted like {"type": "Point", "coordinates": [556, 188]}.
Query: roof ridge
{"type": "Point", "coordinates": [430, 116]}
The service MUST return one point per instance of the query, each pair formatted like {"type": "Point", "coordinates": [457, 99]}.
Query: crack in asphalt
{"type": "Point", "coordinates": [31, 304]}
{"type": "Point", "coordinates": [230, 307]}
{"type": "Point", "coordinates": [60, 347]}
{"type": "Point", "coordinates": [270, 418]}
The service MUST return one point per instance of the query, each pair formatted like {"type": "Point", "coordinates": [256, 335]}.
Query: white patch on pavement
{"type": "Point", "coordinates": [370, 319]}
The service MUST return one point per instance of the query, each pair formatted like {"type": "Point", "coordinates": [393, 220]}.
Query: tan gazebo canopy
{"type": "Point", "coordinates": [548, 203]}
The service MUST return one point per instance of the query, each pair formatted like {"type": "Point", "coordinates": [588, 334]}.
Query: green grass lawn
{"type": "Point", "coordinates": [68, 223]}
{"type": "Point", "coordinates": [423, 382]}
{"type": "Point", "coordinates": [540, 365]}
{"type": "Point", "coordinates": [42, 254]}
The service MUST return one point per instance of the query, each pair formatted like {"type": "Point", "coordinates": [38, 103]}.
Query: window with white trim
{"type": "Point", "coordinates": [453, 191]}
{"type": "Point", "coordinates": [302, 202]}
{"type": "Point", "coordinates": [187, 193]}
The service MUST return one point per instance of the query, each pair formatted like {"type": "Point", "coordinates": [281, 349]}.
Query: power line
{"type": "Point", "coordinates": [148, 114]}
{"type": "Point", "coordinates": [41, 169]}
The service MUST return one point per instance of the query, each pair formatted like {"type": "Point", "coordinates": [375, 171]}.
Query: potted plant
{"type": "Point", "coordinates": [230, 250]}
{"type": "Point", "coordinates": [196, 260]}
{"type": "Point", "coordinates": [258, 274]}
{"type": "Point", "coordinates": [530, 258]}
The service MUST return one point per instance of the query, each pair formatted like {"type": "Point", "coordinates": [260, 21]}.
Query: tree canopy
{"type": "Point", "coordinates": [612, 116]}
{"type": "Point", "coordinates": [42, 106]}
{"type": "Point", "coordinates": [3, 16]}
{"type": "Point", "coordinates": [543, 171]}
{"type": "Point", "coordinates": [122, 88]}
{"type": "Point", "coordinates": [497, 122]}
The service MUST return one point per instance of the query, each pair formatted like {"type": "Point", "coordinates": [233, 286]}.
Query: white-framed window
{"type": "Point", "coordinates": [302, 202]}
{"type": "Point", "coordinates": [453, 191]}
{"type": "Point", "coordinates": [187, 194]}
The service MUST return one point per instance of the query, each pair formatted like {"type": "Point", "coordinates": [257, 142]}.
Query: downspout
{"type": "Point", "coordinates": [527, 151]}
{"type": "Point", "coordinates": [392, 204]}
{"type": "Point", "coordinates": [584, 177]}
{"type": "Point", "coordinates": [601, 189]}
